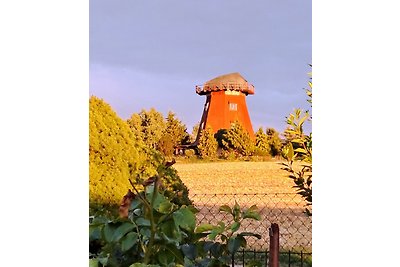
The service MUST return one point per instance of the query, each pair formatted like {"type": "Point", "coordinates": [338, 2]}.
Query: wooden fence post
{"type": "Point", "coordinates": [274, 245]}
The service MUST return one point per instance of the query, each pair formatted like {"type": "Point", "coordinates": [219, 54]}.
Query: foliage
{"type": "Point", "coordinates": [262, 146]}
{"type": "Point", "coordinates": [236, 138]}
{"type": "Point", "coordinates": [224, 240]}
{"type": "Point", "coordinates": [157, 132]}
{"type": "Point", "coordinates": [274, 142]}
{"type": "Point", "coordinates": [166, 145]}
{"type": "Point", "coordinates": [158, 232]}
{"type": "Point", "coordinates": [176, 129]}
{"type": "Point", "coordinates": [153, 126]}
{"type": "Point", "coordinates": [115, 155]}
{"type": "Point", "coordinates": [195, 131]}
{"type": "Point", "coordinates": [135, 123]}
{"type": "Point", "coordinates": [152, 232]}
{"type": "Point", "coordinates": [299, 147]}
{"type": "Point", "coordinates": [207, 144]}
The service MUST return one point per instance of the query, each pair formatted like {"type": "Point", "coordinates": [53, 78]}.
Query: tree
{"type": "Point", "coordinates": [166, 145]}
{"type": "Point", "coordinates": [299, 147]}
{"type": "Point", "coordinates": [153, 126]}
{"type": "Point", "coordinates": [195, 131]}
{"type": "Point", "coordinates": [238, 139]}
{"type": "Point", "coordinates": [274, 141]}
{"type": "Point", "coordinates": [176, 129]}
{"type": "Point", "coordinates": [262, 144]}
{"type": "Point", "coordinates": [135, 123]}
{"type": "Point", "coordinates": [208, 145]}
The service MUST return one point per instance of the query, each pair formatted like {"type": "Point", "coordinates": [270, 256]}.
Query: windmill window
{"type": "Point", "coordinates": [232, 106]}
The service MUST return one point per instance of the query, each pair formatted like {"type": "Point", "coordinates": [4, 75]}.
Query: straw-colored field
{"type": "Point", "coordinates": [249, 183]}
{"type": "Point", "coordinates": [235, 177]}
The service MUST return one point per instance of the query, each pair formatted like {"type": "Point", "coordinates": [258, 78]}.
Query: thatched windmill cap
{"type": "Point", "coordinates": [232, 81]}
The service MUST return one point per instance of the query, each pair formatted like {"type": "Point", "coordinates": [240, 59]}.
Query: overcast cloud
{"type": "Point", "coordinates": [152, 54]}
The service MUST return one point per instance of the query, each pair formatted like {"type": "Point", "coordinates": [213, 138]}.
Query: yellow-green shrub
{"type": "Point", "coordinates": [116, 155]}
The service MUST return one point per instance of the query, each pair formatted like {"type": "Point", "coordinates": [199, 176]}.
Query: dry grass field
{"type": "Point", "coordinates": [249, 183]}
{"type": "Point", "coordinates": [235, 177]}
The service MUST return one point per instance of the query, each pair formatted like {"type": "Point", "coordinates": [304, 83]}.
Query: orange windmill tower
{"type": "Point", "coordinates": [225, 103]}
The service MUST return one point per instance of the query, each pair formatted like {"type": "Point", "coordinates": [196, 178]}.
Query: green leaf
{"type": "Point", "coordinates": [142, 222]}
{"type": "Point", "coordinates": [94, 232]}
{"type": "Point", "coordinates": [217, 230]}
{"type": "Point", "coordinates": [129, 241]}
{"type": "Point", "coordinates": [170, 232]}
{"type": "Point", "coordinates": [176, 253]}
{"type": "Point", "coordinates": [185, 219]}
{"type": "Point", "coordinates": [122, 230]}
{"type": "Point", "coordinates": [165, 207]}
{"type": "Point", "coordinates": [226, 209]}
{"type": "Point", "coordinates": [236, 211]}
{"type": "Point", "coordinates": [235, 226]}
{"type": "Point", "coordinates": [135, 204]}
{"type": "Point", "coordinates": [145, 232]}
{"type": "Point", "coordinates": [252, 213]}
{"type": "Point", "coordinates": [93, 263]}
{"type": "Point", "coordinates": [103, 260]}
{"type": "Point", "coordinates": [189, 250]}
{"type": "Point", "coordinates": [204, 228]}
{"type": "Point", "coordinates": [250, 234]}
{"type": "Point", "coordinates": [108, 231]}
{"type": "Point", "coordinates": [165, 257]}
{"type": "Point", "coordinates": [235, 243]}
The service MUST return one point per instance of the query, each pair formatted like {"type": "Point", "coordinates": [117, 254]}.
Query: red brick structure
{"type": "Point", "coordinates": [226, 102]}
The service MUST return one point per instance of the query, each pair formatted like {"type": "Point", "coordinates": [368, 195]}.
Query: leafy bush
{"type": "Point", "coordinates": [262, 145]}
{"type": "Point", "coordinates": [299, 147]}
{"type": "Point", "coordinates": [237, 139]}
{"type": "Point", "coordinates": [158, 232]}
{"type": "Point", "coordinates": [116, 155]}
{"type": "Point", "coordinates": [207, 144]}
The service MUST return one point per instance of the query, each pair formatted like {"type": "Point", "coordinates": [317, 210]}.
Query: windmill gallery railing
{"type": "Point", "coordinates": [284, 209]}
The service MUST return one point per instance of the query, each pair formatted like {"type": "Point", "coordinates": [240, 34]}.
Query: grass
{"type": "Point", "coordinates": [235, 177]}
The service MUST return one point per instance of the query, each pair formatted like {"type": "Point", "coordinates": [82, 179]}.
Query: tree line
{"type": "Point", "coordinates": [165, 134]}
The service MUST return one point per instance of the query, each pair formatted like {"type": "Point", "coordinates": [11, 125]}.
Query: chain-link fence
{"type": "Point", "coordinates": [285, 209]}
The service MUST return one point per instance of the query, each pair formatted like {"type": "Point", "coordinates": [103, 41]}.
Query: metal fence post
{"type": "Point", "coordinates": [274, 245]}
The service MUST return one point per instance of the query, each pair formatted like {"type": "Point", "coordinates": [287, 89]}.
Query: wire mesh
{"type": "Point", "coordinates": [285, 209]}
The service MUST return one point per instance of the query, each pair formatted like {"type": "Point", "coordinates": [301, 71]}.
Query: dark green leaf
{"type": "Point", "coordinates": [142, 222]}
{"type": "Point", "coordinates": [176, 253]}
{"type": "Point", "coordinates": [250, 234]}
{"type": "Point", "coordinates": [94, 232]}
{"type": "Point", "coordinates": [189, 250]}
{"type": "Point", "coordinates": [108, 231]}
{"type": "Point", "coordinates": [165, 257]}
{"type": "Point", "coordinates": [170, 232]}
{"type": "Point", "coordinates": [135, 204]}
{"type": "Point", "coordinates": [122, 230]}
{"type": "Point", "coordinates": [185, 219]}
{"type": "Point", "coordinates": [235, 243]}
{"type": "Point", "coordinates": [129, 241]}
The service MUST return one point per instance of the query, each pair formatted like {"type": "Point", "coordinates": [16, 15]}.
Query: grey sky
{"type": "Point", "coordinates": [147, 54]}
